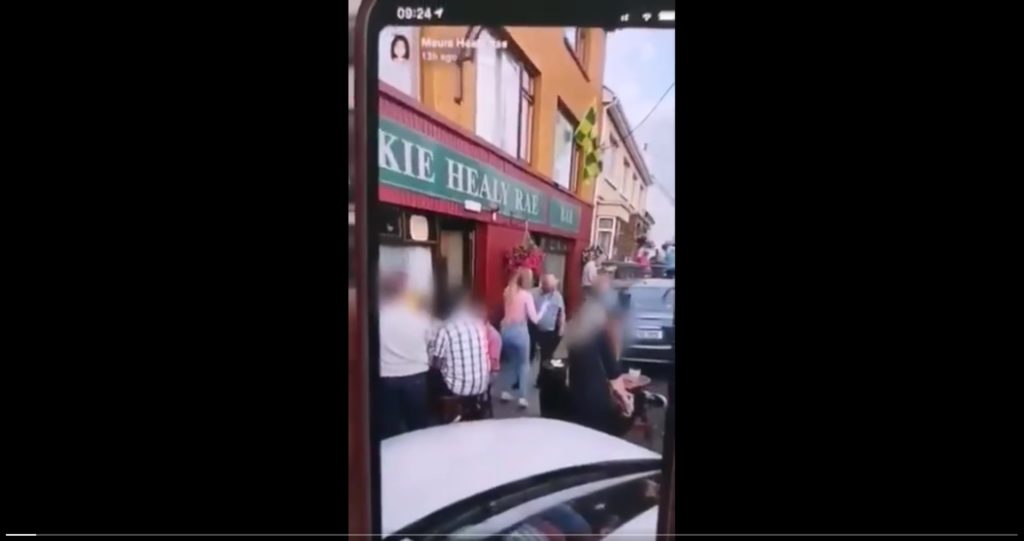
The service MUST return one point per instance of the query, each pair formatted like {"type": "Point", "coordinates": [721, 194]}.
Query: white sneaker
{"type": "Point", "coordinates": [506, 396]}
{"type": "Point", "coordinates": [523, 403]}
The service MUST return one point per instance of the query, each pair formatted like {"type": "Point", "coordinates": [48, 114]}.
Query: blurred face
{"type": "Point", "coordinates": [549, 283]}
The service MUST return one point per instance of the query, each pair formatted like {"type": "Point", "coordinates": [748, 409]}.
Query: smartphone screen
{"type": "Point", "coordinates": [521, 182]}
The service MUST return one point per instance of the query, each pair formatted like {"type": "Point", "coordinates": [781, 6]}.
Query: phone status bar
{"type": "Point", "coordinates": [457, 14]}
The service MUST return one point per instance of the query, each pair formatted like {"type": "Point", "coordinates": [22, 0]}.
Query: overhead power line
{"type": "Point", "coordinates": [648, 115]}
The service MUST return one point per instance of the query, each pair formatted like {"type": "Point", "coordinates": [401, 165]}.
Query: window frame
{"type": "Point", "coordinates": [527, 93]}
{"type": "Point", "coordinates": [613, 174]}
{"type": "Point", "coordinates": [575, 156]}
{"type": "Point", "coordinates": [527, 99]}
{"type": "Point", "coordinates": [610, 249]}
{"type": "Point", "coordinates": [577, 47]}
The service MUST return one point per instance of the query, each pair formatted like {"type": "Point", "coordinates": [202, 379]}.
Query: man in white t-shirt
{"type": "Point", "coordinates": [590, 270]}
{"type": "Point", "coordinates": [405, 331]}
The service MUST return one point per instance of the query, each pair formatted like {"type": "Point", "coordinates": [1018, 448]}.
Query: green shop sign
{"type": "Point", "coordinates": [414, 162]}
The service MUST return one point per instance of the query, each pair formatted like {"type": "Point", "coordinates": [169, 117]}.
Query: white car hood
{"type": "Point", "coordinates": [426, 470]}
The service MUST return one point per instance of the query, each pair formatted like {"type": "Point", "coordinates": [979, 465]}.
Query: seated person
{"type": "Point", "coordinates": [460, 349]}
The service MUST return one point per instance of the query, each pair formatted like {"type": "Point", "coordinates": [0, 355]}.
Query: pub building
{"type": "Point", "coordinates": [453, 207]}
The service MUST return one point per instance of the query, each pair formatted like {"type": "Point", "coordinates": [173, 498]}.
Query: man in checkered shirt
{"type": "Point", "coordinates": [460, 347]}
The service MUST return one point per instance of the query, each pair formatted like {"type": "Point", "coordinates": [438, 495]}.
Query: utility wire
{"type": "Point", "coordinates": [648, 115]}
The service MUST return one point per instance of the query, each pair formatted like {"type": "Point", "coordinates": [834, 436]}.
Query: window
{"type": "Point", "coordinates": [504, 98]}
{"type": "Point", "coordinates": [564, 172]}
{"type": "Point", "coordinates": [570, 33]}
{"type": "Point", "coordinates": [653, 299]}
{"type": "Point", "coordinates": [606, 235]}
{"type": "Point", "coordinates": [604, 240]}
{"type": "Point", "coordinates": [574, 40]}
{"type": "Point", "coordinates": [554, 263]}
{"type": "Point", "coordinates": [625, 176]}
{"type": "Point", "coordinates": [642, 199]}
{"type": "Point", "coordinates": [601, 509]}
{"type": "Point", "coordinates": [612, 174]}
{"type": "Point", "coordinates": [399, 71]}
{"type": "Point", "coordinates": [389, 222]}
{"type": "Point", "coordinates": [415, 261]}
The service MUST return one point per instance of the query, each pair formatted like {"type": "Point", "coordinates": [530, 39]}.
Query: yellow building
{"type": "Point", "coordinates": [523, 89]}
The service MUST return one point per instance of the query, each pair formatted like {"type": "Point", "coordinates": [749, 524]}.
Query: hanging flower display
{"type": "Point", "coordinates": [526, 255]}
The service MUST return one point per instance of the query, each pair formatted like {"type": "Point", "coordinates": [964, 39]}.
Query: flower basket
{"type": "Point", "coordinates": [526, 255]}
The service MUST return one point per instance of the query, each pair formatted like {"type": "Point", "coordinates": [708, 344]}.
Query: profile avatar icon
{"type": "Point", "coordinates": [400, 48]}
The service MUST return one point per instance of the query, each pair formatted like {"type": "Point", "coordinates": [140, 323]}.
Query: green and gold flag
{"type": "Point", "coordinates": [586, 138]}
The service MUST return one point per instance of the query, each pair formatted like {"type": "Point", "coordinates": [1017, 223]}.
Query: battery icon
{"type": "Point", "coordinates": [666, 15]}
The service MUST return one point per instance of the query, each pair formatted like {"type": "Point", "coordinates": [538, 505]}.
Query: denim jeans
{"type": "Point", "coordinates": [515, 358]}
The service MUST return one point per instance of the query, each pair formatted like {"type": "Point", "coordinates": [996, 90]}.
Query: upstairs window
{"type": "Point", "coordinates": [566, 153]}
{"type": "Point", "coordinates": [504, 97]}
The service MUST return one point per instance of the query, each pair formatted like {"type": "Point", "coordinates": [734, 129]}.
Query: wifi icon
{"type": "Point", "coordinates": [646, 16]}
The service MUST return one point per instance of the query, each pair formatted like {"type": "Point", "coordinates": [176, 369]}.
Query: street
{"type": "Point", "coordinates": [656, 415]}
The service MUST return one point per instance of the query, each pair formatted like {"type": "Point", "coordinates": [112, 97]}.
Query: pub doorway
{"type": "Point", "coordinates": [455, 254]}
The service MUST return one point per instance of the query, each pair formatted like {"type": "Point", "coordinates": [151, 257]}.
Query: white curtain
{"type": "Point", "coordinates": [398, 73]}
{"type": "Point", "coordinates": [498, 80]}
{"type": "Point", "coordinates": [415, 261]}
{"type": "Point", "coordinates": [563, 151]}
{"type": "Point", "coordinates": [487, 70]}
{"type": "Point", "coordinates": [508, 84]}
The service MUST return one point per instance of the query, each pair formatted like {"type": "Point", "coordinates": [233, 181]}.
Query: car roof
{"type": "Point", "coordinates": [653, 282]}
{"type": "Point", "coordinates": [426, 470]}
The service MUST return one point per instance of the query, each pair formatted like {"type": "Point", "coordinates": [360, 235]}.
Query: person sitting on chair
{"type": "Point", "coordinates": [460, 348]}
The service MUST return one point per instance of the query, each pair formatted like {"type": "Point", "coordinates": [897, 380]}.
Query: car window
{"type": "Point", "coordinates": [598, 509]}
{"type": "Point", "coordinates": [651, 298]}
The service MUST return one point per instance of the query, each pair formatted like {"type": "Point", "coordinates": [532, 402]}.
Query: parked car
{"type": "Point", "coordinates": [651, 331]}
{"type": "Point", "coordinates": [627, 272]}
{"type": "Point", "coordinates": [499, 477]}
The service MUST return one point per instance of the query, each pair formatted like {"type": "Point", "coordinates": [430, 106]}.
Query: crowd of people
{"type": "Point", "coordinates": [458, 354]}
{"type": "Point", "coordinates": [655, 262]}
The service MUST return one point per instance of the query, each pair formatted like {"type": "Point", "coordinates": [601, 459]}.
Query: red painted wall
{"type": "Point", "coordinates": [494, 241]}
{"type": "Point", "coordinates": [495, 237]}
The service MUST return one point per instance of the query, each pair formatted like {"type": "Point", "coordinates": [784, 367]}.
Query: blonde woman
{"type": "Point", "coordinates": [515, 335]}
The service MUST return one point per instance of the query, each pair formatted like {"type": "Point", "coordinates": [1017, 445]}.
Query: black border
{"type": "Point", "coordinates": [876, 128]}
{"type": "Point", "coordinates": [172, 357]}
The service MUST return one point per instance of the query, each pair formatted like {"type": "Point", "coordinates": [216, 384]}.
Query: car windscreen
{"type": "Point", "coordinates": [477, 510]}
{"type": "Point", "coordinates": [596, 510]}
{"type": "Point", "coordinates": [651, 299]}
